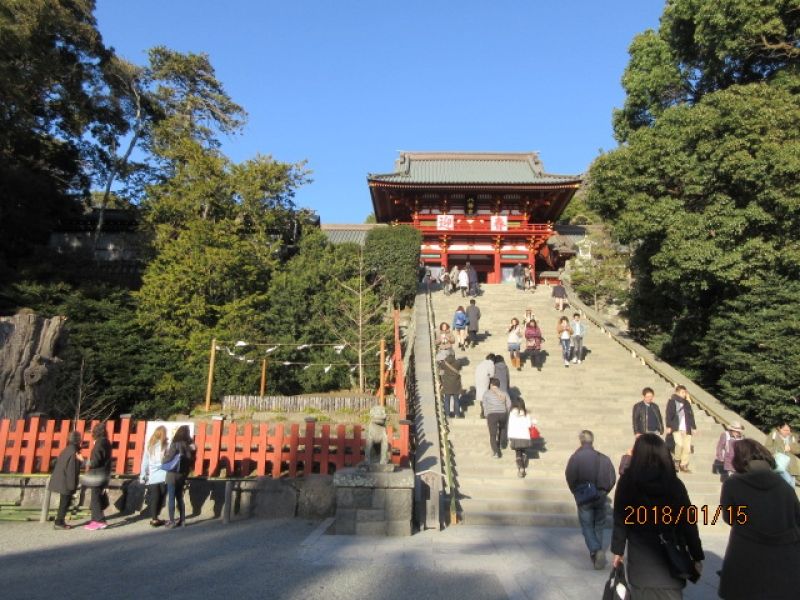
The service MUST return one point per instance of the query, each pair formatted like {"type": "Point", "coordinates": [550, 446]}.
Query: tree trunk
{"type": "Point", "coordinates": [28, 345]}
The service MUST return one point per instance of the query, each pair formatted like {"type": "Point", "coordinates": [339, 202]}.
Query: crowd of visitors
{"type": "Point", "coordinates": [660, 555]}
{"type": "Point", "coordinates": [165, 467]}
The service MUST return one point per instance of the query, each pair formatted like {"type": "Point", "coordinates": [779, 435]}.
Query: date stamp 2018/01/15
{"type": "Point", "coordinates": [691, 515]}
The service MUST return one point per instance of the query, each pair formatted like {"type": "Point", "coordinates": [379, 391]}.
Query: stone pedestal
{"type": "Point", "coordinates": [374, 500]}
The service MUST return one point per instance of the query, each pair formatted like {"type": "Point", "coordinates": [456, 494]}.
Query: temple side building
{"type": "Point", "coordinates": [493, 210]}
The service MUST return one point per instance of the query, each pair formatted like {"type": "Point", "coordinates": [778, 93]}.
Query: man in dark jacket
{"type": "Point", "coordinates": [681, 425]}
{"type": "Point", "coordinates": [474, 316]}
{"type": "Point", "coordinates": [64, 480]}
{"type": "Point", "coordinates": [590, 476]}
{"type": "Point", "coordinates": [647, 415]}
{"type": "Point", "coordinates": [450, 375]}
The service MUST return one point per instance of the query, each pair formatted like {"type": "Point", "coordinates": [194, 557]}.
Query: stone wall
{"type": "Point", "coordinates": [311, 497]}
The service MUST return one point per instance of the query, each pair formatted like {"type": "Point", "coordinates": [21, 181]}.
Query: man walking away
{"type": "Point", "coordinates": [450, 374]}
{"type": "Point", "coordinates": [578, 333]}
{"type": "Point", "coordinates": [590, 477]}
{"type": "Point", "coordinates": [680, 423]}
{"type": "Point", "coordinates": [474, 316]}
{"type": "Point", "coordinates": [496, 405]}
{"type": "Point", "coordinates": [483, 373]}
{"type": "Point", "coordinates": [647, 415]}
{"type": "Point", "coordinates": [472, 278]}
{"type": "Point", "coordinates": [463, 281]}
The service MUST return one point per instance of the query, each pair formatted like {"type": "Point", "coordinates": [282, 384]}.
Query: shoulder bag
{"type": "Point", "coordinates": [587, 491]}
{"type": "Point", "coordinates": [173, 464]}
{"type": "Point", "coordinates": [679, 561]}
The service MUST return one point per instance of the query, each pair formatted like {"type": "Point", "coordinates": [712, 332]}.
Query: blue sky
{"type": "Point", "coordinates": [345, 84]}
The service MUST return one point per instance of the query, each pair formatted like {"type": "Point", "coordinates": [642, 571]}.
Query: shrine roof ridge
{"type": "Point", "coordinates": [516, 168]}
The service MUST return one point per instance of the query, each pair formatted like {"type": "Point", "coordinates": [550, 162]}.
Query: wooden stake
{"type": "Point", "coordinates": [263, 376]}
{"type": "Point", "coordinates": [211, 361]}
{"type": "Point", "coordinates": [382, 388]}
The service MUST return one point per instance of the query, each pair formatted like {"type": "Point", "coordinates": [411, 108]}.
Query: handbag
{"type": "Point", "coordinates": [718, 467]}
{"type": "Point", "coordinates": [104, 501]}
{"type": "Point", "coordinates": [585, 492]}
{"type": "Point", "coordinates": [617, 585]}
{"type": "Point", "coordinates": [534, 431]}
{"type": "Point", "coordinates": [670, 442]}
{"type": "Point", "coordinates": [679, 561]}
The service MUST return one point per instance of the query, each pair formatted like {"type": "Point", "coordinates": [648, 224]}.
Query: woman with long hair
{"type": "Point", "coordinates": [533, 343]}
{"type": "Point", "coordinates": [519, 433]}
{"type": "Point", "coordinates": [762, 559]}
{"type": "Point", "coordinates": [648, 499]}
{"type": "Point", "coordinates": [564, 332]}
{"type": "Point", "coordinates": [444, 342]}
{"type": "Point", "coordinates": [153, 475]}
{"type": "Point", "coordinates": [98, 472]}
{"type": "Point", "coordinates": [181, 444]}
{"type": "Point", "coordinates": [514, 339]}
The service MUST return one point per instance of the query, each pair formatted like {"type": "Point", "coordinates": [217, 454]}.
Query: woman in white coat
{"type": "Point", "coordinates": [519, 433]}
{"type": "Point", "coordinates": [152, 475]}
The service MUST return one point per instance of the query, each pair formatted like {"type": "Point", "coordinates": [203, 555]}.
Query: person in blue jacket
{"type": "Point", "coordinates": [153, 475]}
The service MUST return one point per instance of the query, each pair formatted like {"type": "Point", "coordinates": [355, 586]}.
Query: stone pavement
{"type": "Point", "coordinates": [294, 559]}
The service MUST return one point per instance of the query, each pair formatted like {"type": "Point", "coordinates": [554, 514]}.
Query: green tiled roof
{"type": "Point", "coordinates": [343, 234]}
{"type": "Point", "coordinates": [470, 168]}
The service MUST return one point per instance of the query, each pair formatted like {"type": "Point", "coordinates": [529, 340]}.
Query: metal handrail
{"type": "Point", "coordinates": [444, 439]}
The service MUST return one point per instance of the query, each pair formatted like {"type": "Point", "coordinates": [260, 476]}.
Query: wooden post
{"type": "Point", "coordinates": [382, 388]}
{"type": "Point", "coordinates": [263, 376]}
{"type": "Point", "coordinates": [211, 361]}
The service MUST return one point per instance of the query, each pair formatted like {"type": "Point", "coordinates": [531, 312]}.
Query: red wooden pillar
{"type": "Point", "coordinates": [497, 275]}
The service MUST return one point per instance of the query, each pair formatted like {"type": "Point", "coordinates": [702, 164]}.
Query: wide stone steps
{"type": "Point", "coordinates": [597, 394]}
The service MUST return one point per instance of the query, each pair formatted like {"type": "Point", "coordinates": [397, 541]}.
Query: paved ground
{"type": "Point", "coordinates": [294, 559]}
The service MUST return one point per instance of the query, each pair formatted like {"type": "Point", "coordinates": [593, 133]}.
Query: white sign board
{"type": "Point", "coordinates": [445, 222]}
{"type": "Point", "coordinates": [499, 223]}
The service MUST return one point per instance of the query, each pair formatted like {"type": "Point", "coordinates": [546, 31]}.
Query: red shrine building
{"type": "Point", "coordinates": [493, 210]}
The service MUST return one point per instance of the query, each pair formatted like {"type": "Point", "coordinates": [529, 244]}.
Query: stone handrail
{"type": "Point", "coordinates": [706, 401]}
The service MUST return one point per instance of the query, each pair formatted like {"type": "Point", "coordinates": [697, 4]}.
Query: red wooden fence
{"type": "Point", "coordinates": [32, 445]}
{"type": "Point", "coordinates": [29, 446]}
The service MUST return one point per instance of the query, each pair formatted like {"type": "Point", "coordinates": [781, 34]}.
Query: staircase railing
{"type": "Point", "coordinates": [444, 438]}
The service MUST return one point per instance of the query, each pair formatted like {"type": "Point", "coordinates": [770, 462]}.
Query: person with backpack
{"type": "Point", "coordinates": [64, 480]}
{"type": "Point", "coordinates": [460, 322]}
{"type": "Point", "coordinates": [519, 434]}
{"type": "Point", "coordinates": [153, 475]}
{"type": "Point", "coordinates": [96, 479]}
{"type": "Point", "coordinates": [182, 449]}
{"type": "Point", "coordinates": [590, 477]}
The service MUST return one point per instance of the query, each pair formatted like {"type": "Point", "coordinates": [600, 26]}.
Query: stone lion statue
{"type": "Point", "coordinates": [377, 439]}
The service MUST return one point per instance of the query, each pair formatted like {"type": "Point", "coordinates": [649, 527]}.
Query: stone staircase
{"type": "Point", "coordinates": [598, 395]}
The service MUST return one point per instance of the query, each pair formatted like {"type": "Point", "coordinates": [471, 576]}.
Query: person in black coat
{"type": "Point", "coordinates": [181, 444]}
{"type": "Point", "coordinates": [648, 491]}
{"type": "Point", "coordinates": [64, 480]}
{"type": "Point", "coordinates": [99, 470]}
{"type": "Point", "coordinates": [680, 426]}
{"type": "Point", "coordinates": [450, 371]}
{"type": "Point", "coordinates": [762, 559]}
{"type": "Point", "coordinates": [646, 415]}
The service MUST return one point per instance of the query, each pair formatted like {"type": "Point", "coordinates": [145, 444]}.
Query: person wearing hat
{"type": "Point", "coordinates": [723, 463]}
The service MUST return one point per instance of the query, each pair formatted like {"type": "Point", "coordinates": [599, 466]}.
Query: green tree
{"type": "Point", "coordinates": [601, 278]}
{"type": "Point", "coordinates": [704, 190]}
{"type": "Point", "coordinates": [755, 350]}
{"type": "Point", "coordinates": [55, 104]}
{"type": "Point", "coordinates": [702, 47]}
{"type": "Point", "coordinates": [392, 253]}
